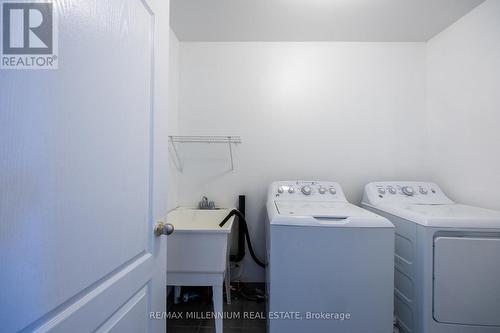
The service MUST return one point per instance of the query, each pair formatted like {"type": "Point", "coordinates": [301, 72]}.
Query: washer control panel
{"type": "Point", "coordinates": [405, 191]}
{"type": "Point", "coordinates": [307, 190]}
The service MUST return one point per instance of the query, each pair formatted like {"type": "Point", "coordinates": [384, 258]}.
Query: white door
{"type": "Point", "coordinates": [82, 175]}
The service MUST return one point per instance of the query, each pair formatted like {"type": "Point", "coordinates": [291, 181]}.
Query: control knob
{"type": "Point", "coordinates": [306, 190]}
{"type": "Point", "coordinates": [332, 190]}
{"type": "Point", "coordinates": [291, 190]}
{"type": "Point", "coordinates": [322, 190]}
{"type": "Point", "coordinates": [408, 190]}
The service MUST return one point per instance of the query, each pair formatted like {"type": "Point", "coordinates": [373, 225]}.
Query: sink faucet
{"type": "Point", "coordinates": [205, 204]}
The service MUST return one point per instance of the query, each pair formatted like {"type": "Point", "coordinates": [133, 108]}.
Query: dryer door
{"type": "Point", "coordinates": [466, 277]}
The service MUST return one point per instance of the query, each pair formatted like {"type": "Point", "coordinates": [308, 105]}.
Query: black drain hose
{"type": "Point", "coordinates": [240, 254]}
{"type": "Point", "coordinates": [243, 224]}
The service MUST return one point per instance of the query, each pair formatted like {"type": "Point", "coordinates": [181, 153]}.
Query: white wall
{"type": "Point", "coordinates": [173, 117]}
{"type": "Point", "coordinates": [463, 103]}
{"type": "Point", "coordinates": [349, 112]}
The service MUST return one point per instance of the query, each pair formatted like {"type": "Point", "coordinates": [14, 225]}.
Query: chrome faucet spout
{"type": "Point", "coordinates": [206, 204]}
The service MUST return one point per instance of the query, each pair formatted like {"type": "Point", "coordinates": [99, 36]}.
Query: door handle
{"type": "Point", "coordinates": [164, 229]}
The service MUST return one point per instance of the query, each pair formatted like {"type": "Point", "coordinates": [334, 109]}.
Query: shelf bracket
{"type": "Point", "coordinates": [230, 152]}
{"type": "Point", "coordinates": [177, 161]}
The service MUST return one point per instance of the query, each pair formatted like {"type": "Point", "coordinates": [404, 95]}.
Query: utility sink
{"type": "Point", "coordinates": [198, 244]}
{"type": "Point", "coordinates": [198, 255]}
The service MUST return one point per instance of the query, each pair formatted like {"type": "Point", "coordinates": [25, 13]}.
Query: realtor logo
{"type": "Point", "coordinates": [29, 39]}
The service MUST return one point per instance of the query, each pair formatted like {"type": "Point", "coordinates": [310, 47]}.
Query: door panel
{"type": "Point", "coordinates": [130, 317]}
{"type": "Point", "coordinates": [96, 306]}
{"type": "Point", "coordinates": [76, 176]}
{"type": "Point", "coordinates": [466, 275]}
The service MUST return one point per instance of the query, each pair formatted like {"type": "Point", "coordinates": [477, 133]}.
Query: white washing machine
{"type": "Point", "coordinates": [330, 263]}
{"type": "Point", "coordinates": [447, 259]}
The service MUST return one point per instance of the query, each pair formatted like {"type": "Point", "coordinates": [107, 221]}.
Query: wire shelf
{"type": "Point", "coordinates": [204, 139]}
{"type": "Point", "coordinates": [229, 140]}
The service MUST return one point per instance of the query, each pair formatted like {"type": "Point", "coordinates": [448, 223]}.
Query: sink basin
{"type": "Point", "coordinates": [198, 244]}
{"type": "Point", "coordinates": [197, 253]}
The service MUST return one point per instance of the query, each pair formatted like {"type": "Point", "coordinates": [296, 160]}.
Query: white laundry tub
{"type": "Point", "coordinates": [198, 244]}
{"type": "Point", "coordinates": [198, 255]}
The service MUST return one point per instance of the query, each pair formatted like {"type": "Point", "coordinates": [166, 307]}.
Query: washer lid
{"type": "Point", "coordinates": [446, 216]}
{"type": "Point", "coordinates": [326, 213]}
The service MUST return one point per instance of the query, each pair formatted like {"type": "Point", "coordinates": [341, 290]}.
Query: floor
{"type": "Point", "coordinates": [242, 315]}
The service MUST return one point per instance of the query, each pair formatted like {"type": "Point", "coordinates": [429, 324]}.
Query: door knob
{"type": "Point", "coordinates": [164, 229]}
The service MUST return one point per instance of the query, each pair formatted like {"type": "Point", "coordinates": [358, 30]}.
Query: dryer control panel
{"type": "Point", "coordinates": [406, 192]}
{"type": "Point", "coordinates": [307, 190]}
